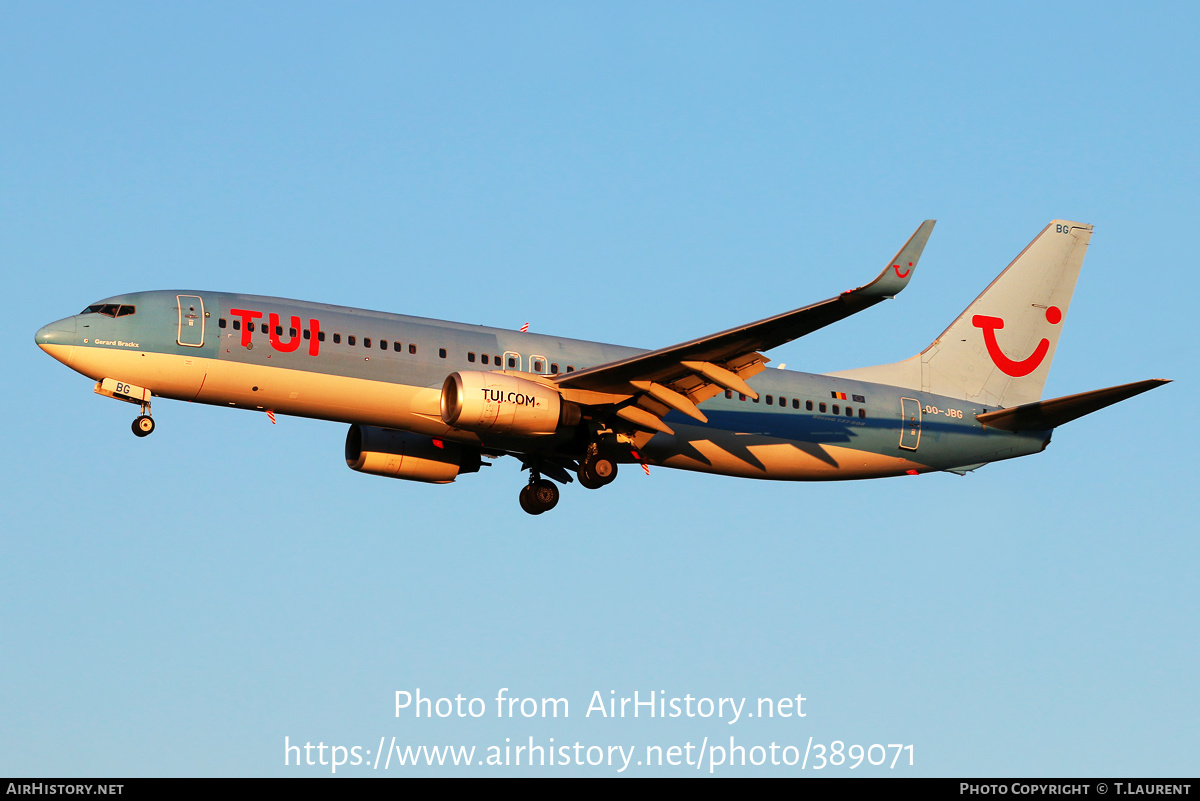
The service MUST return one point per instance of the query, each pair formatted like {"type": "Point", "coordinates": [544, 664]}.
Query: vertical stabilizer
{"type": "Point", "coordinates": [998, 352]}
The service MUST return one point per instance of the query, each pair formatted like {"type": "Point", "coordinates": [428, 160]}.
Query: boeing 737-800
{"type": "Point", "coordinates": [428, 400]}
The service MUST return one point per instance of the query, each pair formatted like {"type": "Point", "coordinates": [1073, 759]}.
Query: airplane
{"type": "Point", "coordinates": [428, 400]}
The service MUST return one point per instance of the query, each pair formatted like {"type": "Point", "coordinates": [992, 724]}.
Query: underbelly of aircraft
{"type": "Point", "coordinates": [283, 391]}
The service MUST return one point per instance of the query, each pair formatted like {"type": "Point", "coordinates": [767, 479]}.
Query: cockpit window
{"type": "Point", "coordinates": [110, 310]}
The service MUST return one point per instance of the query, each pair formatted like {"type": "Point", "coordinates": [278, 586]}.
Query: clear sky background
{"type": "Point", "coordinates": [632, 173]}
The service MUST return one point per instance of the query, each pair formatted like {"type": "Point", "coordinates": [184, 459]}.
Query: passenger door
{"type": "Point", "coordinates": [191, 321]}
{"type": "Point", "coordinates": [910, 433]}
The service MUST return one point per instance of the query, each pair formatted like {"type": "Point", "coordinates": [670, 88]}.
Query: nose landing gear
{"type": "Point", "coordinates": [143, 425]}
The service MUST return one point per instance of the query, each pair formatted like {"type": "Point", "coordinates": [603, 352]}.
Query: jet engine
{"type": "Point", "coordinates": [504, 404]}
{"type": "Point", "coordinates": [402, 454]}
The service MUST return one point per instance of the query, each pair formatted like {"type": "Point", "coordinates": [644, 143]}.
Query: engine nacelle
{"type": "Point", "coordinates": [504, 404]}
{"type": "Point", "coordinates": [402, 454]}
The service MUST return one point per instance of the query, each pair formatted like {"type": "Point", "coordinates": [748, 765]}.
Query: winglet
{"type": "Point", "coordinates": [900, 269]}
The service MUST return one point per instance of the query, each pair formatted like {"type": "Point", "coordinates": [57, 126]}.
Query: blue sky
{"type": "Point", "coordinates": [635, 174]}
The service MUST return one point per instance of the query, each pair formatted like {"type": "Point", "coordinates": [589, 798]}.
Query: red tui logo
{"type": "Point", "coordinates": [990, 325]}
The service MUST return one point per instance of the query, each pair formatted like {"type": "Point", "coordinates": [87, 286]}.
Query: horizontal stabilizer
{"type": "Point", "coordinates": [1047, 414]}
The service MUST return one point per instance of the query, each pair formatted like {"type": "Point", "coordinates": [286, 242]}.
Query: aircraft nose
{"type": "Point", "coordinates": [60, 332]}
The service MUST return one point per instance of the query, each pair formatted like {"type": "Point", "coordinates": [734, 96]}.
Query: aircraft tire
{"type": "Point", "coordinates": [527, 501]}
{"type": "Point", "coordinates": [540, 496]}
{"type": "Point", "coordinates": [544, 494]}
{"type": "Point", "coordinates": [143, 425]}
{"type": "Point", "coordinates": [588, 481]}
{"type": "Point", "coordinates": [597, 471]}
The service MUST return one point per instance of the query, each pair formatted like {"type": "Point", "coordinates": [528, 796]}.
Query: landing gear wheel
{"type": "Point", "coordinates": [143, 426]}
{"type": "Point", "coordinates": [587, 480]}
{"type": "Point", "coordinates": [540, 496]}
{"type": "Point", "coordinates": [527, 501]}
{"type": "Point", "coordinates": [596, 471]}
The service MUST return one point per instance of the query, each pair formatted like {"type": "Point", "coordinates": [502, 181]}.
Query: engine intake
{"type": "Point", "coordinates": [504, 404]}
{"type": "Point", "coordinates": [402, 454]}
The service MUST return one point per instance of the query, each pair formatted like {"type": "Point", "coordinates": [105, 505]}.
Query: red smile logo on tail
{"type": "Point", "coordinates": [990, 325]}
{"type": "Point", "coordinates": [904, 274]}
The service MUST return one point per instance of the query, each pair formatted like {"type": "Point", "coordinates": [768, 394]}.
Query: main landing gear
{"type": "Point", "coordinates": [539, 495]}
{"type": "Point", "coordinates": [597, 471]}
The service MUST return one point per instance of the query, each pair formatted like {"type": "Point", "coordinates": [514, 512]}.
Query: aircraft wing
{"type": "Point", "coordinates": [683, 375]}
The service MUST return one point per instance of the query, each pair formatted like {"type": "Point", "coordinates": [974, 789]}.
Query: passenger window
{"type": "Point", "coordinates": [862, 414]}
{"type": "Point", "coordinates": [221, 323]}
{"type": "Point", "coordinates": [366, 342]}
{"type": "Point", "coordinates": [279, 330]}
{"type": "Point", "coordinates": [782, 401]}
{"type": "Point", "coordinates": [350, 340]}
{"type": "Point", "coordinates": [537, 365]}
{"type": "Point", "coordinates": [570, 369]}
{"type": "Point", "coordinates": [729, 394]}
{"type": "Point", "coordinates": [837, 409]}
{"type": "Point", "coordinates": [264, 328]}
{"type": "Point", "coordinates": [512, 362]}
{"type": "Point", "coordinates": [396, 347]}
{"type": "Point", "coordinates": [470, 356]}
{"type": "Point", "coordinates": [770, 400]}
{"type": "Point", "coordinates": [553, 369]}
{"type": "Point", "coordinates": [237, 325]}
{"type": "Point", "coordinates": [756, 400]}
{"type": "Point", "coordinates": [821, 408]}
{"type": "Point", "coordinates": [307, 334]}
{"type": "Point", "coordinates": [383, 344]}
{"type": "Point", "coordinates": [320, 336]}
{"type": "Point", "coordinates": [292, 333]}
{"type": "Point", "coordinates": [741, 396]}
{"type": "Point", "coordinates": [412, 349]}
{"type": "Point", "coordinates": [441, 353]}
{"type": "Point", "coordinates": [849, 412]}
{"type": "Point", "coordinates": [337, 339]}
{"type": "Point", "coordinates": [795, 403]}
{"type": "Point", "coordinates": [484, 358]}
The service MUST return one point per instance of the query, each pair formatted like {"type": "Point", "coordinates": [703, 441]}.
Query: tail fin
{"type": "Point", "coordinates": [998, 352]}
